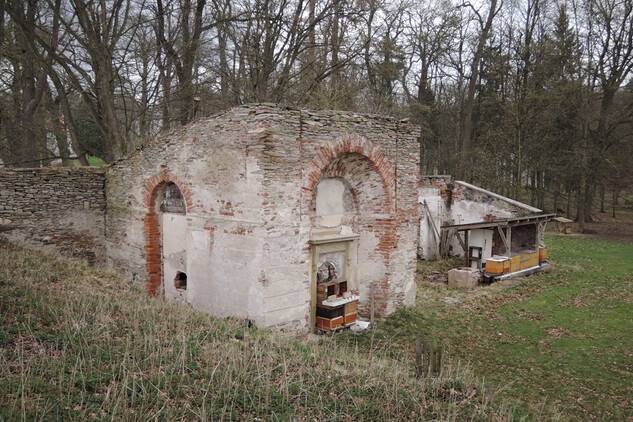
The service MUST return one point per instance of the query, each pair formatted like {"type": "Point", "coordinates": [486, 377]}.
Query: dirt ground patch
{"type": "Point", "coordinates": [608, 228]}
{"type": "Point", "coordinates": [604, 226]}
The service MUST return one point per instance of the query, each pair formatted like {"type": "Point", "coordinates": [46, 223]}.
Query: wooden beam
{"type": "Point", "coordinates": [482, 225]}
{"type": "Point", "coordinates": [503, 238]}
{"type": "Point", "coordinates": [509, 237]}
{"type": "Point", "coordinates": [461, 241]}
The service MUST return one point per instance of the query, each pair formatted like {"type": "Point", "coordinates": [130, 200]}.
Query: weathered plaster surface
{"type": "Point", "coordinates": [455, 202]}
{"type": "Point", "coordinates": [250, 179]}
{"type": "Point", "coordinates": [256, 186]}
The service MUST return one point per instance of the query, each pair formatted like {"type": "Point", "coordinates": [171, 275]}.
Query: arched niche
{"type": "Point", "coordinates": [165, 229]}
{"type": "Point", "coordinates": [351, 218]}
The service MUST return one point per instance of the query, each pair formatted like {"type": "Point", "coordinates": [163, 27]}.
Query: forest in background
{"type": "Point", "coordinates": [529, 98]}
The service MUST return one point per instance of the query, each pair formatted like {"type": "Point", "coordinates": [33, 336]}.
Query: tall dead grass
{"type": "Point", "coordinates": [78, 343]}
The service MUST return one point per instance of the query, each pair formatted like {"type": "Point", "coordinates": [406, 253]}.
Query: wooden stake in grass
{"type": "Point", "coordinates": [372, 306]}
{"type": "Point", "coordinates": [428, 358]}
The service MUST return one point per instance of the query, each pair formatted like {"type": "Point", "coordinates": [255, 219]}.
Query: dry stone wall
{"type": "Point", "coordinates": [58, 210]}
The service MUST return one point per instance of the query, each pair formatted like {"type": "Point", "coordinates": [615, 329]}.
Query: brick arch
{"type": "Point", "coordinates": [333, 160]}
{"type": "Point", "coordinates": [153, 238]}
{"type": "Point", "coordinates": [349, 144]}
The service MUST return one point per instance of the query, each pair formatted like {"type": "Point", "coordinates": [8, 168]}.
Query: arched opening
{"type": "Point", "coordinates": [351, 219]}
{"type": "Point", "coordinates": [335, 204]}
{"type": "Point", "coordinates": [165, 230]}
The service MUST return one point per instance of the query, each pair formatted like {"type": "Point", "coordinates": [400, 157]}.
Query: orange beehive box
{"type": "Point", "coordinates": [327, 323]}
{"type": "Point", "coordinates": [495, 265]}
{"type": "Point", "coordinates": [349, 318]}
{"type": "Point", "coordinates": [506, 265]}
{"type": "Point", "coordinates": [542, 254]}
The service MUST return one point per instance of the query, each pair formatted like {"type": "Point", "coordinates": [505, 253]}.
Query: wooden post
{"type": "Point", "coordinates": [504, 240]}
{"type": "Point", "coordinates": [428, 358]}
{"type": "Point", "coordinates": [372, 302]}
{"type": "Point", "coordinates": [466, 242]}
{"type": "Point", "coordinates": [418, 357]}
{"type": "Point", "coordinates": [538, 236]}
{"type": "Point", "coordinates": [509, 238]}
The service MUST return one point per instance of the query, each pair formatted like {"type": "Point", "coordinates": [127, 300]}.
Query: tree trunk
{"type": "Point", "coordinates": [615, 200]}
{"type": "Point", "coordinates": [335, 44]}
{"type": "Point", "coordinates": [32, 86]}
{"type": "Point", "coordinates": [467, 112]}
{"type": "Point", "coordinates": [69, 121]}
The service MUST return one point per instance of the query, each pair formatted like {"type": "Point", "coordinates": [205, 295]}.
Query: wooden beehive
{"type": "Point", "coordinates": [335, 287]}
{"type": "Point", "coordinates": [515, 262]}
{"type": "Point", "coordinates": [329, 323]}
{"type": "Point", "coordinates": [495, 265]}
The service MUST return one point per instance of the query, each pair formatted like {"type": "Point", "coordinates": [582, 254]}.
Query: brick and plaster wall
{"type": "Point", "coordinates": [456, 202]}
{"type": "Point", "coordinates": [249, 179]}
{"type": "Point", "coordinates": [59, 210]}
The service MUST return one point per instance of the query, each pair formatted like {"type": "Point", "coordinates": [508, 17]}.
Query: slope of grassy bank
{"type": "Point", "coordinates": [562, 342]}
{"type": "Point", "coordinates": [79, 344]}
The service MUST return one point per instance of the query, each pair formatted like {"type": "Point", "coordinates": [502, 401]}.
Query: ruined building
{"type": "Point", "coordinates": [237, 214]}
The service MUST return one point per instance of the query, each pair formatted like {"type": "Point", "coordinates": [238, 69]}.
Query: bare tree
{"type": "Point", "coordinates": [32, 77]}
{"type": "Point", "coordinates": [485, 25]}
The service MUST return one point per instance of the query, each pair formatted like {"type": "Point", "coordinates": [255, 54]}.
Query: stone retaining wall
{"type": "Point", "coordinates": [56, 209]}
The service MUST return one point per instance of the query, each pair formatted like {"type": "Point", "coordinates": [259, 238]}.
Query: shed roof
{"type": "Point", "coordinates": [506, 222]}
{"type": "Point", "coordinates": [500, 197]}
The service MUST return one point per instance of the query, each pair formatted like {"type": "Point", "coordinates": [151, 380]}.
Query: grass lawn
{"type": "Point", "coordinates": [559, 344]}
{"type": "Point", "coordinates": [78, 343]}
{"type": "Point", "coordinates": [92, 162]}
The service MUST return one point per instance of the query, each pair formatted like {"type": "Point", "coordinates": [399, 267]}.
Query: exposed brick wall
{"type": "Point", "coordinates": [56, 209]}
{"type": "Point", "coordinates": [249, 176]}
{"type": "Point", "coordinates": [153, 189]}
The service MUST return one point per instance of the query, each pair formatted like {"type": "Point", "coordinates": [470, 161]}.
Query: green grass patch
{"type": "Point", "coordinates": [561, 342]}
{"type": "Point", "coordinates": [79, 343]}
{"type": "Point", "coordinates": [92, 162]}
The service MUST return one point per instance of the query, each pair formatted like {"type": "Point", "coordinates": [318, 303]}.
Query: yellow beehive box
{"type": "Point", "coordinates": [506, 265]}
{"type": "Point", "coordinates": [529, 259]}
{"type": "Point", "coordinates": [494, 265]}
{"type": "Point", "coordinates": [515, 262]}
{"type": "Point", "coordinates": [542, 254]}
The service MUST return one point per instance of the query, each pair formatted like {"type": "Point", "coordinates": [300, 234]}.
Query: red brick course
{"type": "Point", "coordinates": [153, 233]}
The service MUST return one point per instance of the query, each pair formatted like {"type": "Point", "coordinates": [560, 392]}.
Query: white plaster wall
{"type": "Point", "coordinates": [369, 269]}
{"type": "Point", "coordinates": [247, 234]}
{"type": "Point", "coordinates": [174, 254]}
{"type": "Point", "coordinates": [461, 211]}
{"type": "Point", "coordinates": [482, 239]}
{"type": "Point", "coordinates": [437, 208]}
{"type": "Point", "coordinates": [329, 202]}
{"type": "Point", "coordinates": [465, 212]}
{"type": "Point", "coordinates": [285, 281]}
